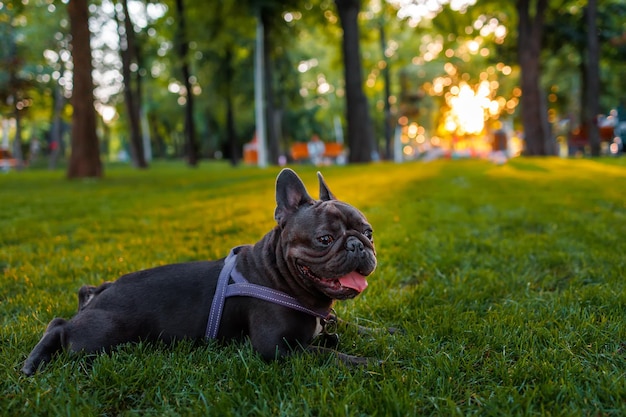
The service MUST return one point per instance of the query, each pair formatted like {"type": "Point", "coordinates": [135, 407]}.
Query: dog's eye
{"type": "Point", "coordinates": [369, 234]}
{"type": "Point", "coordinates": [325, 240]}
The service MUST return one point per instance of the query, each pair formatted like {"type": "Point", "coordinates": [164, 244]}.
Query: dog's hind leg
{"type": "Point", "coordinates": [89, 331]}
{"type": "Point", "coordinates": [85, 294]}
{"type": "Point", "coordinates": [53, 340]}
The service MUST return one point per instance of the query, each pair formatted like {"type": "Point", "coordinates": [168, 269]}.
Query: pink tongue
{"type": "Point", "coordinates": [354, 280]}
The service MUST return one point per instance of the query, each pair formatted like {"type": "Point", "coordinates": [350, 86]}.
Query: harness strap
{"type": "Point", "coordinates": [242, 288]}
{"type": "Point", "coordinates": [220, 296]}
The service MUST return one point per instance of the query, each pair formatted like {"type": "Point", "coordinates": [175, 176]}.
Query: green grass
{"type": "Point", "coordinates": [509, 282]}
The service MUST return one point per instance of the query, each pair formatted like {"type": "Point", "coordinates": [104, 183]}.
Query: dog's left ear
{"type": "Point", "coordinates": [325, 193]}
{"type": "Point", "coordinates": [290, 195]}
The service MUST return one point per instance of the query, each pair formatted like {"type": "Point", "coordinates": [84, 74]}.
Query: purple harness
{"type": "Point", "coordinates": [241, 287]}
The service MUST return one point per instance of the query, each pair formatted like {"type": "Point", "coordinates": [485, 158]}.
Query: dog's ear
{"type": "Point", "coordinates": [290, 195]}
{"type": "Point", "coordinates": [325, 193]}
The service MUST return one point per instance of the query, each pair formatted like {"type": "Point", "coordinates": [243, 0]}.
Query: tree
{"type": "Point", "coordinates": [226, 73]}
{"type": "Point", "coordinates": [592, 78]}
{"type": "Point", "coordinates": [56, 124]}
{"type": "Point", "coordinates": [531, 18]}
{"type": "Point", "coordinates": [309, 80]}
{"type": "Point", "coordinates": [275, 42]}
{"type": "Point", "coordinates": [85, 157]}
{"type": "Point", "coordinates": [132, 96]}
{"type": "Point", "coordinates": [191, 145]}
{"type": "Point", "coordinates": [388, 128]}
{"type": "Point", "coordinates": [14, 95]}
{"type": "Point", "coordinates": [14, 85]}
{"type": "Point", "coordinates": [533, 105]}
{"type": "Point", "coordinates": [578, 45]}
{"type": "Point", "coordinates": [360, 132]}
{"type": "Point", "coordinates": [268, 16]}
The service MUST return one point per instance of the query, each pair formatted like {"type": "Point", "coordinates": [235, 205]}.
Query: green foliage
{"type": "Point", "coordinates": [566, 53]}
{"type": "Point", "coordinates": [26, 31]}
{"type": "Point", "coordinates": [221, 54]}
{"type": "Point", "coordinates": [508, 281]}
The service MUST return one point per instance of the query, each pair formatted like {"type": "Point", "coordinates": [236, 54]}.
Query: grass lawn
{"type": "Point", "coordinates": [509, 281]}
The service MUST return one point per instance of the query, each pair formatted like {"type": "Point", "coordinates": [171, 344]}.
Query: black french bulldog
{"type": "Point", "coordinates": [276, 292]}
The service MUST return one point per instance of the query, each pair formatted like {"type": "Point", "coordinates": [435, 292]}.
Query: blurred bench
{"type": "Point", "coordinates": [580, 136]}
{"type": "Point", "coordinates": [300, 151]}
{"type": "Point", "coordinates": [6, 160]}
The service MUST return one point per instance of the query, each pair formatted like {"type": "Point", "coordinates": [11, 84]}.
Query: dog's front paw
{"type": "Point", "coordinates": [351, 360]}
{"type": "Point", "coordinates": [396, 330]}
{"type": "Point", "coordinates": [328, 340]}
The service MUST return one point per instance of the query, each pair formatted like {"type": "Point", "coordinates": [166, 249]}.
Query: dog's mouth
{"type": "Point", "coordinates": [342, 287]}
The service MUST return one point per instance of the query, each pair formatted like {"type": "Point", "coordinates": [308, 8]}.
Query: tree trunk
{"type": "Point", "coordinates": [85, 157]}
{"type": "Point", "coordinates": [191, 146]}
{"type": "Point", "coordinates": [17, 141]}
{"type": "Point", "coordinates": [141, 109]}
{"type": "Point", "coordinates": [128, 53]}
{"type": "Point", "coordinates": [388, 126]}
{"type": "Point", "coordinates": [592, 87]}
{"type": "Point", "coordinates": [159, 142]}
{"type": "Point", "coordinates": [273, 150]}
{"type": "Point", "coordinates": [360, 133]}
{"type": "Point", "coordinates": [231, 132]}
{"type": "Point", "coordinates": [533, 104]}
{"type": "Point", "coordinates": [13, 99]}
{"type": "Point", "coordinates": [56, 129]}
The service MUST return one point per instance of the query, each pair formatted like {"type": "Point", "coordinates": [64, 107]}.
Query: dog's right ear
{"type": "Point", "coordinates": [325, 193]}
{"type": "Point", "coordinates": [290, 195]}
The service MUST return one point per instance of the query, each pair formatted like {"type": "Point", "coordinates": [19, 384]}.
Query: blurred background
{"type": "Point", "coordinates": [84, 83]}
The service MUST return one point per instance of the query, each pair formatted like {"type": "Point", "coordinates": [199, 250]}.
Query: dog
{"type": "Point", "coordinates": [278, 293]}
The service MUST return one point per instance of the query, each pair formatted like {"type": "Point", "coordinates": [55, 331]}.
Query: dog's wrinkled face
{"type": "Point", "coordinates": [332, 248]}
{"type": "Point", "coordinates": [328, 244]}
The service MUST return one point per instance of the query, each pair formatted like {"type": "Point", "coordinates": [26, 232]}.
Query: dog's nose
{"type": "Point", "coordinates": [354, 245]}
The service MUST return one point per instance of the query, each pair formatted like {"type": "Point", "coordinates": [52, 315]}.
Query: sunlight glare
{"type": "Point", "coordinates": [416, 12]}
{"type": "Point", "coordinates": [467, 108]}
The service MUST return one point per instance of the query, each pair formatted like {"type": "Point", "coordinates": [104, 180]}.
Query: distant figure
{"type": "Point", "coordinates": [621, 127]}
{"type": "Point", "coordinates": [33, 153]}
{"type": "Point", "coordinates": [316, 150]}
{"type": "Point", "coordinates": [499, 140]}
{"type": "Point", "coordinates": [499, 151]}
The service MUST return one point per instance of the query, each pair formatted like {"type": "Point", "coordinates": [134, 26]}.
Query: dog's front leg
{"type": "Point", "coordinates": [342, 358]}
{"type": "Point", "coordinates": [369, 331]}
